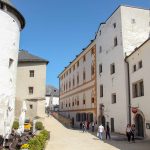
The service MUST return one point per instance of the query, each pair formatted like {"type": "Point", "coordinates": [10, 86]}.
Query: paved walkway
{"type": "Point", "coordinates": [62, 138]}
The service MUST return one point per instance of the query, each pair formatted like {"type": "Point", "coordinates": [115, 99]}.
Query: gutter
{"type": "Point", "coordinates": [129, 93]}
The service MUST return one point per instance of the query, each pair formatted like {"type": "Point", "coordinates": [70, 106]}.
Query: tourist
{"type": "Point", "coordinates": [107, 131]}
{"type": "Point", "coordinates": [93, 125]}
{"type": "Point", "coordinates": [128, 132]}
{"type": "Point", "coordinates": [88, 124]}
{"type": "Point", "coordinates": [133, 132]}
{"type": "Point", "coordinates": [80, 125]}
{"type": "Point", "coordinates": [100, 131]}
{"type": "Point", "coordinates": [83, 127]}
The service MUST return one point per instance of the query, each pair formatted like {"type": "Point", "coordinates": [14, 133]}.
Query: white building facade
{"type": "Point", "coordinates": [139, 73]}
{"type": "Point", "coordinates": [124, 30]}
{"type": "Point", "coordinates": [11, 23]}
{"type": "Point", "coordinates": [78, 87]}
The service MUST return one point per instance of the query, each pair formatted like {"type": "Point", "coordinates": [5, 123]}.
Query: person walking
{"type": "Point", "coordinates": [107, 132]}
{"type": "Point", "coordinates": [128, 132]}
{"type": "Point", "coordinates": [80, 125]}
{"type": "Point", "coordinates": [83, 127]}
{"type": "Point", "coordinates": [100, 131]}
{"type": "Point", "coordinates": [133, 132]}
{"type": "Point", "coordinates": [93, 125]}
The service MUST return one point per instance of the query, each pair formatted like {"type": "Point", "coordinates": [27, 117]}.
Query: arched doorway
{"type": "Point", "coordinates": [103, 121]}
{"type": "Point", "coordinates": [139, 124]}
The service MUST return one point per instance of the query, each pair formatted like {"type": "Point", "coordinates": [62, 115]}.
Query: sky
{"type": "Point", "coordinates": [58, 30]}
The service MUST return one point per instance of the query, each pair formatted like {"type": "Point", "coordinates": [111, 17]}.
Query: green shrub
{"type": "Point", "coordinates": [46, 134]}
{"type": "Point", "coordinates": [39, 126]}
{"type": "Point", "coordinates": [39, 141]}
{"type": "Point", "coordinates": [34, 144]}
{"type": "Point", "coordinates": [15, 125]}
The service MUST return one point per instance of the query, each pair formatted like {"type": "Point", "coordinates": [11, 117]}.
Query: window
{"type": "Point", "coordinates": [31, 106]}
{"type": "Point", "coordinates": [92, 100]}
{"type": "Point", "coordinates": [113, 97]}
{"type": "Point", "coordinates": [84, 102]}
{"type": "Point", "coordinates": [99, 32]}
{"type": "Point", "coordinates": [70, 70]}
{"type": "Point", "coordinates": [100, 49]}
{"type": "Point", "coordinates": [69, 84]}
{"type": "Point", "coordinates": [66, 105]}
{"type": "Point", "coordinates": [31, 73]}
{"type": "Point", "coordinates": [30, 90]}
{"type": "Point", "coordinates": [73, 82]}
{"type": "Point", "coordinates": [92, 51]}
{"type": "Point", "coordinates": [78, 64]}
{"type": "Point", "coordinates": [78, 79]}
{"type": "Point", "coordinates": [140, 64]}
{"type": "Point", "coordinates": [78, 103]}
{"type": "Point", "coordinates": [69, 104]}
{"type": "Point", "coordinates": [101, 90]}
{"type": "Point", "coordinates": [114, 25]}
{"type": "Point", "coordinates": [133, 21]}
{"type": "Point", "coordinates": [134, 68]}
{"type": "Point", "coordinates": [112, 68]}
{"type": "Point", "coordinates": [138, 89]}
{"type": "Point", "coordinates": [100, 68]}
{"type": "Point", "coordinates": [84, 75]}
{"type": "Point", "coordinates": [73, 67]}
{"type": "Point", "coordinates": [115, 41]}
{"type": "Point", "coordinates": [141, 88]}
{"type": "Point", "coordinates": [72, 103]}
{"type": "Point", "coordinates": [92, 70]}
{"type": "Point", "coordinates": [84, 58]}
{"type": "Point", "coordinates": [10, 62]}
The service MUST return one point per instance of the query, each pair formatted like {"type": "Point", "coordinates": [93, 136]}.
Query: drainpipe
{"type": "Point", "coordinates": [129, 93]}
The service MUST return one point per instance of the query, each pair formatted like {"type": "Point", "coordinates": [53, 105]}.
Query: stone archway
{"type": "Point", "coordinates": [139, 125]}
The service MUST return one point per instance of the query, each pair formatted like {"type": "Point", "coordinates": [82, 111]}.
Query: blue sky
{"type": "Point", "coordinates": [58, 30]}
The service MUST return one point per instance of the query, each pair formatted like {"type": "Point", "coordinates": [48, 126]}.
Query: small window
{"type": "Point", "coordinates": [10, 62]}
{"type": "Point", "coordinates": [78, 79]}
{"type": "Point", "coordinates": [84, 102]}
{"type": "Point", "coordinates": [140, 64]}
{"type": "Point", "coordinates": [92, 51]}
{"type": "Point", "coordinates": [84, 75]}
{"type": "Point", "coordinates": [134, 68]}
{"type": "Point", "coordinates": [30, 90]}
{"type": "Point", "coordinates": [101, 90]}
{"type": "Point", "coordinates": [31, 106]}
{"type": "Point", "coordinates": [99, 32]}
{"type": "Point", "coordinates": [66, 105]}
{"type": "Point", "coordinates": [84, 58]}
{"type": "Point", "coordinates": [115, 41]}
{"type": "Point", "coordinates": [100, 49]}
{"type": "Point", "coordinates": [73, 82]}
{"type": "Point", "coordinates": [133, 21]}
{"type": "Point", "coordinates": [92, 100]}
{"type": "Point", "coordinates": [114, 25]}
{"type": "Point", "coordinates": [100, 68]}
{"type": "Point", "coordinates": [70, 70]}
{"type": "Point", "coordinates": [31, 73]}
{"type": "Point", "coordinates": [92, 70]}
{"type": "Point", "coordinates": [73, 67]}
{"type": "Point", "coordinates": [72, 103]}
{"type": "Point", "coordinates": [112, 68]}
{"type": "Point", "coordinates": [113, 98]}
{"type": "Point", "coordinates": [78, 103]}
{"type": "Point", "coordinates": [77, 63]}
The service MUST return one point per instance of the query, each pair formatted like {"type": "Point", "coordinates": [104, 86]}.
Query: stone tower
{"type": "Point", "coordinates": [11, 23]}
